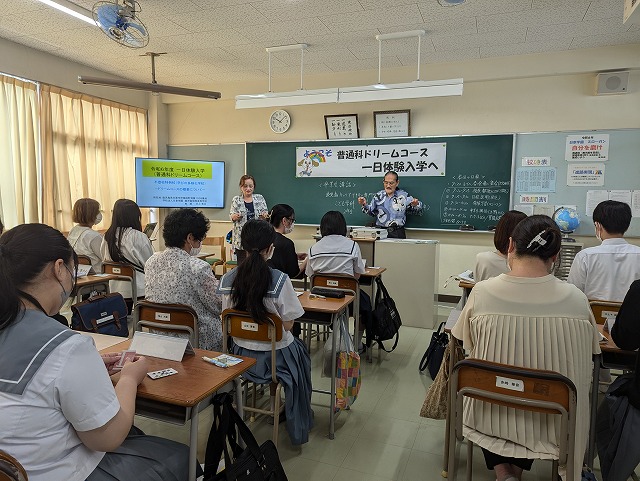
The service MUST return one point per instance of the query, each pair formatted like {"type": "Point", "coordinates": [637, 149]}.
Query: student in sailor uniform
{"type": "Point", "coordinates": [390, 206]}
{"type": "Point", "coordinates": [255, 287]}
{"type": "Point", "coordinates": [62, 418]}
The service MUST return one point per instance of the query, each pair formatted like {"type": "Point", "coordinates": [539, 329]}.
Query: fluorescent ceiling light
{"type": "Point", "coordinates": [71, 9]}
{"type": "Point", "coordinates": [282, 99]}
{"type": "Point", "coordinates": [150, 87]}
{"type": "Point", "coordinates": [410, 90]}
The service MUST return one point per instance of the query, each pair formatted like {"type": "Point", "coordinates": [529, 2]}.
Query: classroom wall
{"type": "Point", "coordinates": [528, 93]}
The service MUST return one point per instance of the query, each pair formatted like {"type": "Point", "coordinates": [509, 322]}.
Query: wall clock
{"type": "Point", "coordinates": [280, 121]}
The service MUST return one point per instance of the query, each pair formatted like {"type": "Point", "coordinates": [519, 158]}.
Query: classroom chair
{"type": "Point", "coordinates": [125, 272]}
{"type": "Point", "coordinates": [215, 259]}
{"type": "Point", "coordinates": [167, 318]}
{"type": "Point", "coordinates": [602, 310]}
{"type": "Point", "coordinates": [349, 285]}
{"type": "Point", "coordinates": [542, 391]}
{"type": "Point", "coordinates": [11, 469]}
{"type": "Point", "coordinates": [84, 260]}
{"type": "Point", "coordinates": [240, 324]}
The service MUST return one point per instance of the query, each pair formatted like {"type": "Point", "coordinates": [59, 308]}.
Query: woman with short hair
{"type": "Point", "coordinates": [528, 318]}
{"type": "Point", "coordinates": [62, 417]}
{"type": "Point", "coordinates": [258, 289]}
{"type": "Point", "coordinates": [177, 276]}
{"type": "Point", "coordinates": [245, 207]}
{"type": "Point", "coordinates": [84, 240]}
{"type": "Point", "coordinates": [125, 242]}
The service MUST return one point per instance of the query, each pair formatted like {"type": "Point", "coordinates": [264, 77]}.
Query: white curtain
{"type": "Point", "coordinates": [89, 147]}
{"type": "Point", "coordinates": [19, 152]}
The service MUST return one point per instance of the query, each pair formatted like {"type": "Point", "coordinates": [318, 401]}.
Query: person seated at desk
{"type": "Point", "coordinates": [285, 258]}
{"type": "Point", "coordinates": [493, 263]}
{"type": "Point", "coordinates": [335, 253]}
{"type": "Point", "coordinates": [84, 240]}
{"type": "Point", "coordinates": [619, 412]}
{"type": "Point", "coordinates": [258, 289]}
{"type": "Point", "coordinates": [125, 242]}
{"type": "Point", "coordinates": [528, 318]}
{"type": "Point", "coordinates": [605, 272]}
{"type": "Point", "coordinates": [62, 418]}
{"type": "Point", "coordinates": [177, 276]}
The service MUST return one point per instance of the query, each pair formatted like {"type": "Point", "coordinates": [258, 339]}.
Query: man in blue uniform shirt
{"type": "Point", "coordinates": [390, 206]}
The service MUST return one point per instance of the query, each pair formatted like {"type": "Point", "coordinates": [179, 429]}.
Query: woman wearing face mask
{"type": "Point", "coordinates": [177, 276]}
{"type": "Point", "coordinates": [285, 258]}
{"type": "Point", "coordinates": [62, 417]}
{"type": "Point", "coordinates": [255, 287]}
{"type": "Point", "coordinates": [84, 240]}
{"type": "Point", "coordinates": [245, 207]}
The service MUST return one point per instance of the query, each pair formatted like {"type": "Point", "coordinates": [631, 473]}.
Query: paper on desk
{"type": "Point", "coordinates": [156, 345]}
{"type": "Point", "coordinates": [83, 270]}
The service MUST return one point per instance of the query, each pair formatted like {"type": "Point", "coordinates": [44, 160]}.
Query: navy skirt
{"type": "Point", "coordinates": [293, 370]}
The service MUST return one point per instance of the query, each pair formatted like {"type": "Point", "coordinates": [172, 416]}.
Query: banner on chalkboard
{"type": "Point", "coordinates": [413, 160]}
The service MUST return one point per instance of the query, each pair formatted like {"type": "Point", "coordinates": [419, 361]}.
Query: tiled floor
{"type": "Point", "coordinates": [382, 438]}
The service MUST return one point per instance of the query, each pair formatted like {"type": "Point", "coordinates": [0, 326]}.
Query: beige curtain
{"type": "Point", "coordinates": [19, 149]}
{"type": "Point", "coordinates": [89, 147]}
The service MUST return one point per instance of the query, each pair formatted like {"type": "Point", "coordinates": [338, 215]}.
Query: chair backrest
{"type": "Point", "coordinates": [240, 324]}
{"type": "Point", "coordinates": [11, 469]}
{"type": "Point", "coordinates": [603, 310]}
{"type": "Point", "coordinates": [170, 318]}
{"type": "Point", "coordinates": [124, 271]}
{"type": "Point", "coordinates": [520, 388]}
{"type": "Point", "coordinates": [344, 282]}
{"type": "Point", "coordinates": [84, 260]}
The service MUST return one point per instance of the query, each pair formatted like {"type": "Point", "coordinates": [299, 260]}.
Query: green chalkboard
{"type": "Point", "coordinates": [475, 189]}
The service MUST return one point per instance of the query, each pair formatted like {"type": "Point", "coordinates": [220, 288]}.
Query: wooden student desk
{"type": "Point", "coordinates": [328, 311]}
{"type": "Point", "coordinates": [178, 398]}
{"type": "Point", "coordinates": [623, 360]}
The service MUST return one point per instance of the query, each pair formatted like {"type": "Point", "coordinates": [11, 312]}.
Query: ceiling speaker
{"type": "Point", "coordinates": [612, 83]}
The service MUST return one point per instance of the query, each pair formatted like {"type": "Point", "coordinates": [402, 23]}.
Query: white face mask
{"type": "Point", "coordinates": [98, 219]}
{"type": "Point", "coordinates": [194, 250]}
{"type": "Point", "coordinates": [598, 236]}
{"type": "Point", "coordinates": [289, 229]}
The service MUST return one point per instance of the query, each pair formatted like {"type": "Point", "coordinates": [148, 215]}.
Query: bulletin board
{"type": "Point", "coordinates": [622, 169]}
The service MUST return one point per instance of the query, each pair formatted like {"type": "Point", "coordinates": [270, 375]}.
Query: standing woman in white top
{"type": "Point", "coordinates": [245, 207]}
{"type": "Point", "coordinates": [124, 241]}
{"type": "Point", "coordinates": [84, 240]}
{"type": "Point", "coordinates": [493, 263]}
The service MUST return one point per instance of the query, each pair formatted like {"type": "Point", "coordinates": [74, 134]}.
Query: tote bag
{"type": "Point", "coordinates": [348, 376]}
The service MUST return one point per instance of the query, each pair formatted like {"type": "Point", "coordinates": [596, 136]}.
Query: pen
{"type": "Point", "coordinates": [316, 296]}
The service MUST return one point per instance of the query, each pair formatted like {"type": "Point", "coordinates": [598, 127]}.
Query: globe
{"type": "Point", "coordinates": [567, 219]}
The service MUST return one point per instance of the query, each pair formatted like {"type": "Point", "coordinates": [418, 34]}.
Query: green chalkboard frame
{"type": "Point", "coordinates": [478, 179]}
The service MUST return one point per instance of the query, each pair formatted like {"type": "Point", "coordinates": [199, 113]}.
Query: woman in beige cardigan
{"type": "Point", "coordinates": [528, 318]}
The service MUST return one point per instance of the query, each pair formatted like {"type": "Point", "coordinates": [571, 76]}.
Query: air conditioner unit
{"type": "Point", "coordinates": [631, 12]}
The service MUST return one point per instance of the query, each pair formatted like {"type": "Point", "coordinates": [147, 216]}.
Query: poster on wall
{"type": "Point", "coordinates": [585, 174]}
{"type": "Point", "coordinates": [536, 179]}
{"type": "Point", "coordinates": [414, 160]}
{"type": "Point", "coordinates": [590, 147]}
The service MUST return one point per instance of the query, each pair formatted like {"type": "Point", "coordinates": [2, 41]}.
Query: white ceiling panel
{"type": "Point", "coordinates": [224, 40]}
{"type": "Point", "coordinates": [279, 10]}
{"type": "Point", "coordinates": [524, 48]}
{"type": "Point", "coordinates": [381, 18]}
{"type": "Point", "coordinates": [531, 18]}
{"type": "Point", "coordinates": [447, 42]}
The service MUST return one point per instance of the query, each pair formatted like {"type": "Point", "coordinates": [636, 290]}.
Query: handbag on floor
{"type": "Point", "coordinates": [102, 313]}
{"type": "Point", "coordinates": [348, 376]}
{"type": "Point", "coordinates": [253, 463]}
{"type": "Point", "coordinates": [386, 319]}
{"type": "Point", "coordinates": [432, 358]}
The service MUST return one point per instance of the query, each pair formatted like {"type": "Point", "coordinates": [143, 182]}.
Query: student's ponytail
{"type": "Point", "coordinates": [22, 259]}
{"type": "Point", "coordinates": [253, 276]}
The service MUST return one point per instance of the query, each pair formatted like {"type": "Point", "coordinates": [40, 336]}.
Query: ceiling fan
{"type": "Point", "coordinates": [120, 22]}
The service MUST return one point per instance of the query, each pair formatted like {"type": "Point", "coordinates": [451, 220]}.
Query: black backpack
{"type": "Point", "coordinates": [386, 319]}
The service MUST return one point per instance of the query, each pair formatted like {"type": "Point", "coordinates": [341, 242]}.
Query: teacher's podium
{"type": "Point", "coordinates": [411, 278]}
